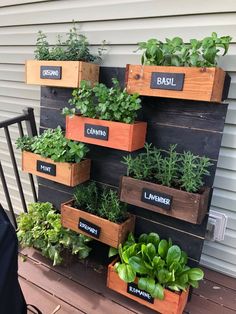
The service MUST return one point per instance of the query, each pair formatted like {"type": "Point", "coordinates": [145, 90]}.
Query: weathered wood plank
{"type": "Point", "coordinates": [44, 300]}
{"type": "Point", "coordinates": [81, 297]}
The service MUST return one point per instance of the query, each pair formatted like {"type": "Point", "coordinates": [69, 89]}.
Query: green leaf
{"type": "Point", "coordinates": [126, 273]}
{"type": "Point", "coordinates": [195, 274]}
{"type": "Point", "coordinates": [173, 255]}
{"type": "Point", "coordinates": [154, 239]}
{"type": "Point", "coordinates": [163, 276]}
{"type": "Point", "coordinates": [112, 252]}
{"type": "Point", "coordinates": [138, 265]}
{"type": "Point", "coordinates": [147, 284]}
{"type": "Point", "coordinates": [163, 248]}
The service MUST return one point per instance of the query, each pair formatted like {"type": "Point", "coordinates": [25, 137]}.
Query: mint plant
{"type": "Point", "coordinates": [174, 52]}
{"type": "Point", "coordinates": [102, 202]}
{"type": "Point", "coordinates": [52, 144]}
{"type": "Point", "coordinates": [157, 264]}
{"type": "Point", "coordinates": [74, 48]}
{"type": "Point", "coordinates": [101, 102]}
{"type": "Point", "coordinates": [41, 228]}
{"type": "Point", "coordinates": [183, 171]}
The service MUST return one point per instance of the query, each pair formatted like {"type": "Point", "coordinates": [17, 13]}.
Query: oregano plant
{"type": "Point", "coordinates": [74, 48]}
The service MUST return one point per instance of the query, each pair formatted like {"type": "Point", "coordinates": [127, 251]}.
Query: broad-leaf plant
{"type": "Point", "coordinates": [156, 263]}
{"type": "Point", "coordinates": [41, 228]}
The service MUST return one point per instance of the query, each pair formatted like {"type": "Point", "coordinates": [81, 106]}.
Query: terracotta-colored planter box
{"type": "Point", "coordinates": [191, 207]}
{"type": "Point", "coordinates": [206, 84]}
{"type": "Point", "coordinates": [123, 136]}
{"type": "Point", "coordinates": [66, 173]}
{"type": "Point", "coordinates": [173, 303]}
{"type": "Point", "coordinates": [60, 73]}
{"type": "Point", "coordinates": [96, 227]}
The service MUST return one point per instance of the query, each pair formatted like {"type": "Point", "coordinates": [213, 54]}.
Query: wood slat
{"type": "Point", "coordinates": [44, 300]}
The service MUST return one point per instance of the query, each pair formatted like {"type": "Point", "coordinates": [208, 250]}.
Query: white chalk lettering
{"type": "Point", "coordinates": [88, 228]}
{"type": "Point", "coordinates": [167, 81]}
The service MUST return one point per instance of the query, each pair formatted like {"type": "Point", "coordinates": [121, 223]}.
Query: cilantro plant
{"type": "Point", "coordinates": [174, 52]}
{"type": "Point", "coordinates": [101, 102]}
{"type": "Point", "coordinates": [183, 171]}
{"type": "Point", "coordinates": [102, 202]}
{"type": "Point", "coordinates": [74, 48]}
{"type": "Point", "coordinates": [41, 228]}
{"type": "Point", "coordinates": [158, 265]}
{"type": "Point", "coordinates": [52, 144]}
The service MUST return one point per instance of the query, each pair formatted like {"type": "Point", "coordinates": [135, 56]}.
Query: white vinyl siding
{"type": "Point", "coordinates": [122, 23]}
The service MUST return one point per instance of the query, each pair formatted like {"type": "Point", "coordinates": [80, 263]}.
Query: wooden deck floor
{"type": "Point", "coordinates": [80, 288]}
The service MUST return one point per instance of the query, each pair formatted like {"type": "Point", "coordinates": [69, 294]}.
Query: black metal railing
{"type": "Point", "coordinates": [28, 118]}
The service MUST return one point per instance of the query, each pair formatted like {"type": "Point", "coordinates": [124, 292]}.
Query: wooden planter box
{"type": "Point", "coordinates": [123, 136]}
{"type": "Point", "coordinates": [66, 173]}
{"type": "Point", "coordinates": [60, 73]}
{"type": "Point", "coordinates": [174, 303]}
{"type": "Point", "coordinates": [96, 227]}
{"type": "Point", "coordinates": [191, 207]}
{"type": "Point", "coordinates": [206, 84]}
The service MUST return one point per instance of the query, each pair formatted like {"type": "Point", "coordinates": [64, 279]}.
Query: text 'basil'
{"type": "Point", "coordinates": [168, 81]}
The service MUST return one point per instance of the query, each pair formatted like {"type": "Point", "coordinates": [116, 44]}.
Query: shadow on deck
{"type": "Point", "coordinates": [81, 288]}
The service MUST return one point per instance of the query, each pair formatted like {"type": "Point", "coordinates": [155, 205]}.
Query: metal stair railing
{"type": "Point", "coordinates": [29, 119]}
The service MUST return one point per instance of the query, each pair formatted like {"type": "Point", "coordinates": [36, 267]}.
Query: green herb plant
{"type": "Point", "coordinates": [41, 228]}
{"type": "Point", "coordinates": [101, 102]}
{"type": "Point", "coordinates": [184, 171]}
{"type": "Point", "coordinates": [158, 265]}
{"type": "Point", "coordinates": [102, 202]}
{"type": "Point", "coordinates": [174, 52]}
{"type": "Point", "coordinates": [52, 144]}
{"type": "Point", "coordinates": [74, 48]}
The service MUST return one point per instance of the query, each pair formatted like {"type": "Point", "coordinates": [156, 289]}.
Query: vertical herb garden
{"type": "Point", "coordinates": [132, 174]}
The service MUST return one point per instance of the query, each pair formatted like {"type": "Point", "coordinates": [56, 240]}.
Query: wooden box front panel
{"type": "Point", "coordinates": [71, 73]}
{"type": "Point", "coordinates": [66, 173]}
{"type": "Point", "coordinates": [111, 233]}
{"type": "Point", "coordinates": [190, 207]}
{"type": "Point", "coordinates": [173, 303]}
{"type": "Point", "coordinates": [123, 136]}
{"type": "Point", "coordinates": [204, 84]}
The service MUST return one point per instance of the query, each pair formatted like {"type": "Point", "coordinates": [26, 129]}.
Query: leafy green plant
{"type": "Point", "coordinates": [158, 265]}
{"type": "Point", "coordinates": [174, 52]}
{"type": "Point", "coordinates": [41, 228]}
{"type": "Point", "coordinates": [99, 201]}
{"type": "Point", "coordinates": [74, 48]}
{"type": "Point", "coordinates": [184, 171]}
{"type": "Point", "coordinates": [101, 102]}
{"type": "Point", "coordinates": [52, 144]}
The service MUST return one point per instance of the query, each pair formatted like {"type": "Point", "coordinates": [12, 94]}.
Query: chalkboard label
{"type": "Point", "coordinates": [46, 167]}
{"type": "Point", "coordinates": [155, 198]}
{"type": "Point", "coordinates": [169, 81]}
{"type": "Point", "coordinates": [89, 228]}
{"type": "Point", "coordinates": [96, 131]}
{"type": "Point", "coordinates": [133, 289]}
{"type": "Point", "coordinates": [50, 72]}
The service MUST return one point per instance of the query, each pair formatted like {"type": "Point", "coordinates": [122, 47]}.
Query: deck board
{"type": "Point", "coordinates": [83, 287]}
{"type": "Point", "coordinates": [43, 300]}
